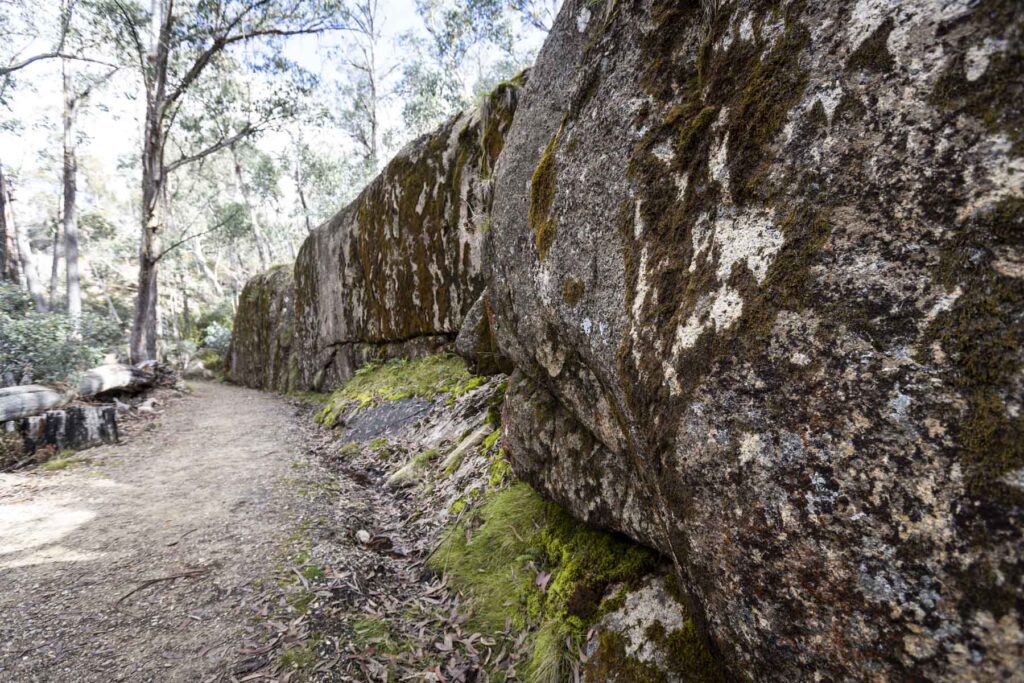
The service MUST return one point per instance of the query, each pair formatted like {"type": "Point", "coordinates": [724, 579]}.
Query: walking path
{"type": "Point", "coordinates": [144, 562]}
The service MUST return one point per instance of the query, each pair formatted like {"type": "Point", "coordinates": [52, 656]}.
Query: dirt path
{"type": "Point", "coordinates": [203, 494]}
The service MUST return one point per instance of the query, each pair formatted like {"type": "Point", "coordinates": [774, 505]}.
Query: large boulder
{"type": "Point", "coordinates": [395, 272]}
{"type": "Point", "coordinates": [261, 340]}
{"type": "Point", "coordinates": [759, 266]}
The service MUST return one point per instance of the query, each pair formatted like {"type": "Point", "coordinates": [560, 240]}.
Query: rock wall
{"type": "Point", "coordinates": [395, 272]}
{"type": "Point", "coordinates": [261, 341]}
{"type": "Point", "coordinates": [759, 268]}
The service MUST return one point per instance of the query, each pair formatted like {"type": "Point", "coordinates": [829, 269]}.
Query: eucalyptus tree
{"type": "Point", "coordinates": [439, 80]}
{"type": "Point", "coordinates": [366, 87]}
{"type": "Point", "coordinates": [323, 181]}
{"type": "Point", "coordinates": [257, 178]}
{"type": "Point", "coordinates": [173, 46]}
{"type": "Point", "coordinates": [26, 27]}
{"type": "Point", "coordinates": [75, 95]}
{"type": "Point", "coordinates": [8, 248]}
{"type": "Point", "coordinates": [539, 14]}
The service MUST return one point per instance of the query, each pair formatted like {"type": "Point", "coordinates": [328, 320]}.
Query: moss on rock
{"type": "Point", "coordinates": [261, 343]}
{"type": "Point", "coordinates": [542, 196]}
{"type": "Point", "coordinates": [375, 383]}
{"type": "Point", "coordinates": [524, 560]}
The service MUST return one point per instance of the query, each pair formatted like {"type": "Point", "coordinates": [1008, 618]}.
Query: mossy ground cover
{"type": "Point", "coordinates": [375, 383]}
{"type": "Point", "coordinates": [524, 561]}
{"type": "Point", "coordinates": [62, 462]}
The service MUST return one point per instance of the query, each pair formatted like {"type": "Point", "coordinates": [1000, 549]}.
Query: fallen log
{"type": "Point", "coordinates": [121, 377]}
{"type": "Point", "coordinates": [34, 399]}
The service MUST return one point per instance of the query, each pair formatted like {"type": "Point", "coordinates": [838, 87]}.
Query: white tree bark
{"type": "Point", "coordinates": [33, 399]}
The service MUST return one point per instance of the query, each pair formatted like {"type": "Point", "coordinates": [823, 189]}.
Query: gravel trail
{"type": "Point", "coordinates": [87, 554]}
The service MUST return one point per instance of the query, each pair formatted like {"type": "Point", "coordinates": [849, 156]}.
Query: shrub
{"type": "Point", "coordinates": [221, 315]}
{"type": "Point", "coordinates": [43, 347]}
{"type": "Point", "coordinates": [217, 337]}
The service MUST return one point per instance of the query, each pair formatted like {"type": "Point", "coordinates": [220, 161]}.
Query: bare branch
{"type": "Point", "coordinates": [57, 52]}
{"type": "Point", "coordinates": [84, 94]}
{"type": "Point", "coordinates": [129, 24]}
{"type": "Point", "coordinates": [223, 143]}
{"type": "Point", "coordinates": [224, 40]}
{"type": "Point", "coordinates": [187, 238]}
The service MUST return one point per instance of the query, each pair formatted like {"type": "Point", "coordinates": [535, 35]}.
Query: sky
{"type": "Point", "coordinates": [111, 124]}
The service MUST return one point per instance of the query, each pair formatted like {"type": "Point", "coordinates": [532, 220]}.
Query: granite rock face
{"type": "Point", "coordinates": [476, 343]}
{"type": "Point", "coordinates": [261, 341]}
{"type": "Point", "coordinates": [394, 273]}
{"type": "Point", "coordinates": [759, 268]}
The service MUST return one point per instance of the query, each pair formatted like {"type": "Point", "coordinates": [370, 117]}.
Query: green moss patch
{"type": "Point", "coordinates": [542, 197]}
{"type": "Point", "coordinates": [523, 560]}
{"type": "Point", "coordinates": [984, 345]}
{"type": "Point", "coordinates": [376, 383]}
{"type": "Point", "coordinates": [687, 658]}
{"type": "Point", "coordinates": [61, 463]}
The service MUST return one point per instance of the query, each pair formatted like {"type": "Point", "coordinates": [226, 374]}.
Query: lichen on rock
{"type": "Point", "coordinates": [778, 334]}
{"type": "Point", "coordinates": [394, 273]}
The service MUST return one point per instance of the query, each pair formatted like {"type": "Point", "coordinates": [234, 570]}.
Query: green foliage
{"type": "Point", "coordinates": [433, 86]}
{"type": "Point", "coordinates": [524, 560]}
{"type": "Point", "coordinates": [214, 325]}
{"type": "Point", "coordinates": [212, 359]}
{"type": "Point", "coordinates": [217, 337]}
{"type": "Point", "coordinates": [15, 301]}
{"type": "Point", "coordinates": [96, 226]}
{"type": "Point", "coordinates": [44, 347]}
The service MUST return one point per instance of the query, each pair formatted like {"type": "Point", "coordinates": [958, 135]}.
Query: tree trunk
{"type": "Point", "coordinates": [8, 247]}
{"type": "Point", "coordinates": [257, 233]}
{"type": "Point", "coordinates": [204, 267]}
{"type": "Point", "coordinates": [142, 342]}
{"type": "Point", "coordinates": [372, 72]}
{"type": "Point", "coordinates": [74, 291]}
{"type": "Point", "coordinates": [25, 401]}
{"type": "Point", "coordinates": [299, 182]}
{"type": "Point", "coordinates": [55, 265]}
{"type": "Point", "coordinates": [28, 268]}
